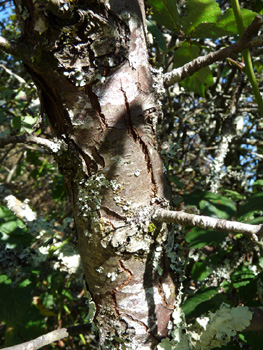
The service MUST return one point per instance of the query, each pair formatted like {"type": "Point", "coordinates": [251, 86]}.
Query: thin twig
{"type": "Point", "coordinates": [180, 217]}
{"type": "Point", "coordinates": [50, 145]}
{"type": "Point", "coordinates": [51, 337]}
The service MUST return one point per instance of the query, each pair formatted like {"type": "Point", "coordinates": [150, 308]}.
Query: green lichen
{"type": "Point", "coordinates": [151, 227]}
{"type": "Point", "coordinates": [90, 198]}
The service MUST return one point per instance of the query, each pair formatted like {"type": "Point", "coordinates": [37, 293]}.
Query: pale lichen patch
{"type": "Point", "coordinates": [40, 26]}
{"type": "Point", "coordinates": [90, 198]}
{"type": "Point", "coordinates": [217, 329]}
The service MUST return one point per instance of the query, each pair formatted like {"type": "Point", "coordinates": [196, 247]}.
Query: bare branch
{"type": "Point", "coordinates": [50, 145]}
{"type": "Point", "coordinates": [180, 217]}
{"type": "Point", "coordinates": [8, 46]}
{"type": "Point", "coordinates": [21, 209]}
{"type": "Point", "coordinates": [18, 49]}
{"type": "Point", "coordinates": [50, 337]}
{"type": "Point", "coordinates": [17, 77]}
{"type": "Point", "coordinates": [190, 68]}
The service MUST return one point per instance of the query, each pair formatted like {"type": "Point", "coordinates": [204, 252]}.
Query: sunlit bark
{"type": "Point", "coordinates": [90, 63]}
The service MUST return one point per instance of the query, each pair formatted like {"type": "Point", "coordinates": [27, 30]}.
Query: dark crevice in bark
{"type": "Point", "coordinates": [96, 106]}
{"type": "Point", "coordinates": [113, 214]}
{"type": "Point", "coordinates": [128, 272]}
{"type": "Point", "coordinates": [52, 105]}
{"type": "Point", "coordinates": [135, 135]}
{"type": "Point", "coordinates": [128, 117]}
{"type": "Point", "coordinates": [114, 302]}
{"type": "Point", "coordinates": [138, 321]}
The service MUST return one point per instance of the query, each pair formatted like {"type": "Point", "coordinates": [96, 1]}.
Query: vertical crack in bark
{"type": "Point", "coordinates": [96, 106]}
{"type": "Point", "coordinates": [135, 135]}
{"type": "Point", "coordinates": [128, 118]}
{"type": "Point", "coordinates": [123, 268]}
{"type": "Point", "coordinates": [114, 301]}
{"type": "Point", "coordinates": [117, 289]}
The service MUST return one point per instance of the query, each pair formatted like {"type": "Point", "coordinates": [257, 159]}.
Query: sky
{"type": "Point", "coordinates": [5, 12]}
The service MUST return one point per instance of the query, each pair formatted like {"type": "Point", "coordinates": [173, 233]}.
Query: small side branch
{"type": "Point", "coordinates": [182, 218]}
{"type": "Point", "coordinates": [51, 337]}
{"type": "Point", "coordinates": [190, 68]}
{"type": "Point", "coordinates": [18, 49]}
{"type": "Point", "coordinates": [20, 209]}
{"type": "Point", "coordinates": [50, 145]}
{"type": "Point", "coordinates": [8, 46]}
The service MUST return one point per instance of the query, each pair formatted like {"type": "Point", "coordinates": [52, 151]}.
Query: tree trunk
{"type": "Point", "coordinates": [89, 60]}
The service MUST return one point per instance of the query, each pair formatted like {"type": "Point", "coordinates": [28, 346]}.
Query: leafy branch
{"type": "Point", "coordinates": [195, 65]}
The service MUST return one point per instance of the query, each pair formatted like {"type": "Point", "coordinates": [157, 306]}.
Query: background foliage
{"type": "Point", "coordinates": [213, 109]}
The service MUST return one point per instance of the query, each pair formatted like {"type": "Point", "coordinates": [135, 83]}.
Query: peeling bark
{"type": "Point", "coordinates": [90, 63]}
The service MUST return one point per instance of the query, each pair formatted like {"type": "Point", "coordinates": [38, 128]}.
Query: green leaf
{"type": "Point", "coordinates": [258, 183]}
{"type": "Point", "coordinates": [33, 326]}
{"type": "Point", "coordinates": [254, 205]}
{"type": "Point", "coordinates": [13, 233]}
{"type": "Point", "coordinates": [25, 283]}
{"type": "Point", "coordinates": [67, 294]}
{"type": "Point", "coordinates": [5, 279]}
{"type": "Point", "coordinates": [256, 221]}
{"type": "Point", "coordinates": [165, 13]}
{"type": "Point", "coordinates": [165, 344]}
{"type": "Point", "coordinates": [201, 296]}
{"type": "Point", "coordinates": [200, 271]}
{"type": "Point", "coordinates": [249, 292]}
{"type": "Point", "coordinates": [157, 34]}
{"type": "Point", "coordinates": [235, 196]}
{"type": "Point", "coordinates": [242, 277]}
{"type": "Point", "coordinates": [6, 213]}
{"type": "Point", "coordinates": [16, 123]}
{"type": "Point", "coordinates": [199, 237]}
{"type": "Point", "coordinates": [200, 11]}
{"type": "Point", "coordinates": [211, 204]}
{"type": "Point", "coordinates": [185, 53]}
{"type": "Point", "coordinates": [15, 302]}
{"type": "Point", "coordinates": [27, 123]}
{"type": "Point", "coordinates": [227, 20]}
{"type": "Point", "coordinates": [224, 25]}
{"type": "Point", "coordinates": [209, 30]}
{"type": "Point", "coordinates": [175, 179]}
{"type": "Point", "coordinates": [9, 227]}
{"type": "Point", "coordinates": [199, 81]}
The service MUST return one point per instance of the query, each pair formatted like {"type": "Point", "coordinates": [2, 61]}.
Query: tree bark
{"type": "Point", "coordinates": [89, 61]}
